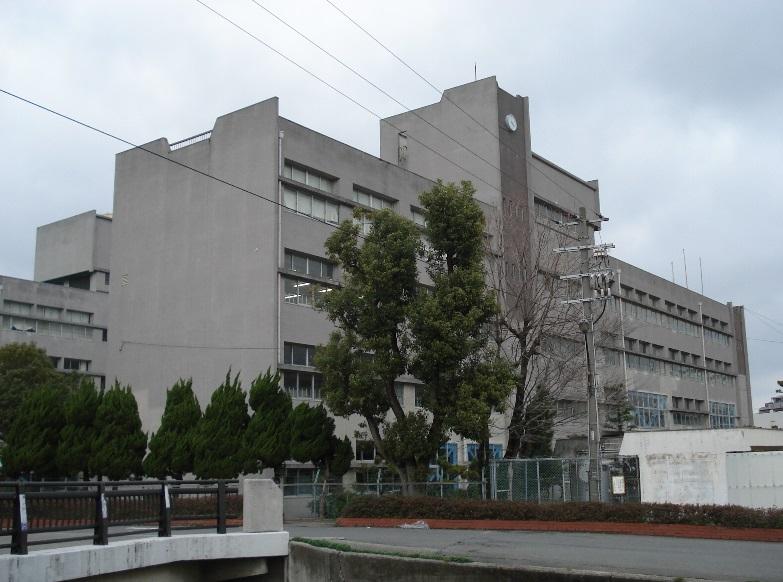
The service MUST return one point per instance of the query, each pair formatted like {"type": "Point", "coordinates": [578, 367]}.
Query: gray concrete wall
{"type": "Point", "coordinates": [307, 563]}
{"type": "Point", "coordinates": [194, 262]}
{"type": "Point", "coordinates": [65, 247]}
{"type": "Point", "coordinates": [463, 149]}
{"type": "Point", "coordinates": [91, 348]}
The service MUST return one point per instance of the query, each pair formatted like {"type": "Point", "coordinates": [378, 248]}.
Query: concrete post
{"type": "Point", "coordinates": [262, 506]}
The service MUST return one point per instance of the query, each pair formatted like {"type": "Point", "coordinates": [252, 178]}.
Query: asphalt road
{"type": "Point", "coordinates": [708, 559]}
{"type": "Point", "coordinates": [713, 560]}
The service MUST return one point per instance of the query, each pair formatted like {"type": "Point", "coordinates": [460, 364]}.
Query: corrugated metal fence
{"type": "Point", "coordinates": [755, 479]}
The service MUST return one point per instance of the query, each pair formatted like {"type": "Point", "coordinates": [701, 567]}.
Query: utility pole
{"type": "Point", "coordinates": [586, 326]}
{"type": "Point", "coordinates": [596, 286]}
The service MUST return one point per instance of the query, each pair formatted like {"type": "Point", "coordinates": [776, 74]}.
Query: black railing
{"type": "Point", "coordinates": [104, 506]}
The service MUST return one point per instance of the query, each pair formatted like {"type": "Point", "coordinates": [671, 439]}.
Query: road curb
{"type": "Point", "coordinates": [710, 532]}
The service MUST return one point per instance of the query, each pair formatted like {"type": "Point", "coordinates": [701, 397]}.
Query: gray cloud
{"type": "Point", "coordinates": [674, 106]}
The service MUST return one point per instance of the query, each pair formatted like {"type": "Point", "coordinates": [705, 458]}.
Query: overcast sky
{"type": "Point", "coordinates": [676, 107]}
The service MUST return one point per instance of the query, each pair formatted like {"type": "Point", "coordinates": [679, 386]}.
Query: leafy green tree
{"type": "Point", "coordinates": [341, 460]}
{"type": "Point", "coordinates": [388, 325]}
{"type": "Point", "coordinates": [312, 435]}
{"type": "Point", "coordinates": [218, 451]}
{"type": "Point", "coordinates": [539, 425]}
{"type": "Point", "coordinates": [120, 444]}
{"type": "Point", "coordinates": [484, 390]}
{"type": "Point", "coordinates": [31, 442]}
{"type": "Point", "coordinates": [267, 440]}
{"type": "Point", "coordinates": [171, 448]}
{"type": "Point", "coordinates": [78, 434]}
{"type": "Point", "coordinates": [23, 368]}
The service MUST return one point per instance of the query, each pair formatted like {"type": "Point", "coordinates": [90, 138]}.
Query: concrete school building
{"type": "Point", "coordinates": [205, 276]}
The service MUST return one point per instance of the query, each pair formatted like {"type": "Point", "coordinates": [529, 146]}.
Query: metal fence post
{"type": "Point", "coordinates": [538, 479]}
{"type": "Point", "coordinates": [221, 507]}
{"type": "Point", "coordinates": [20, 524]}
{"type": "Point", "coordinates": [164, 521]}
{"type": "Point", "coordinates": [101, 532]}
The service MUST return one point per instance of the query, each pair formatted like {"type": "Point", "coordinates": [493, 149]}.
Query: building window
{"type": "Point", "coordinates": [17, 308]}
{"type": "Point", "coordinates": [302, 292]}
{"type": "Point", "coordinates": [372, 200]}
{"type": "Point", "coordinates": [298, 482]}
{"type": "Point", "coordinates": [15, 323]}
{"type": "Point", "coordinates": [106, 278]}
{"type": "Point", "coordinates": [76, 365]}
{"type": "Point", "coordinates": [49, 312]}
{"type": "Point", "coordinates": [78, 316]}
{"type": "Point", "coordinates": [649, 409]}
{"type": "Point", "coordinates": [298, 354]}
{"type": "Point", "coordinates": [495, 451]}
{"type": "Point", "coordinates": [307, 265]}
{"type": "Point", "coordinates": [302, 385]}
{"type": "Point", "coordinates": [686, 419]}
{"type": "Point", "coordinates": [365, 450]}
{"type": "Point", "coordinates": [418, 217]}
{"type": "Point", "coordinates": [307, 176]}
{"type": "Point", "coordinates": [56, 329]}
{"type": "Point", "coordinates": [722, 415]}
{"type": "Point", "coordinates": [448, 452]}
{"type": "Point", "coordinates": [399, 391]}
{"type": "Point", "coordinates": [310, 205]}
{"type": "Point", "coordinates": [418, 399]}
{"type": "Point", "coordinates": [55, 361]}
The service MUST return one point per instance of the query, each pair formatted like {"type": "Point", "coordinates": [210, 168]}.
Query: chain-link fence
{"type": "Point", "coordinates": [615, 480]}
{"type": "Point", "coordinates": [313, 500]}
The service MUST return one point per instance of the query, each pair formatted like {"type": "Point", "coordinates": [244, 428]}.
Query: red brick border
{"type": "Point", "coordinates": [711, 532]}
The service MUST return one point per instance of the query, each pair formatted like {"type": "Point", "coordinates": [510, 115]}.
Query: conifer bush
{"type": "Point", "coordinates": [267, 441]}
{"type": "Point", "coordinates": [218, 451]}
{"type": "Point", "coordinates": [120, 444]}
{"type": "Point", "coordinates": [171, 448]}
{"type": "Point", "coordinates": [78, 433]}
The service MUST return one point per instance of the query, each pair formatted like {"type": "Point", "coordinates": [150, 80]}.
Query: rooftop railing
{"type": "Point", "coordinates": [190, 140]}
{"type": "Point", "coordinates": [109, 509]}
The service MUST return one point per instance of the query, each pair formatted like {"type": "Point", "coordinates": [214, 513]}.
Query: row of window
{"type": "Point", "coordinates": [371, 200]}
{"type": "Point", "coordinates": [677, 325]}
{"type": "Point", "coordinates": [301, 292]}
{"type": "Point", "coordinates": [298, 354]}
{"type": "Point", "coordinates": [649, 409]}
{"type": "Point", "coordinates": [717, 337]}
{"type": "Point", "coordinates": [46, 311]}
{"type": "Point", "coordinates": [550, 213]}
{"type": "Point", "coordinates": [679, 371]}
{"type": "Point", "coordinates": [650, 412]}
{"type": "Point", "coordinates": [307, 176]}
{"type": "Point", "coordinates": [304, 385]}
{"type": "Point", "coordinates": [722, 415]}
{"type": "Point", "coordinates": [51, 328]}
{"type": "Point", "coordinates": [673, 308]}
{"type": "Point", "coordinates": [308, 265]}
{"type": "Point", "coordinates": [311, 205]}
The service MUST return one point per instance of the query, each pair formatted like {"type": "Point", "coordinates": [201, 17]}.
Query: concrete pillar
{"type": "Point", "coordinates": [262, 506]}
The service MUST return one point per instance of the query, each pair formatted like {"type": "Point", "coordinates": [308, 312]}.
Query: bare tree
{"type": "Point", "coordinates": [539, 334]}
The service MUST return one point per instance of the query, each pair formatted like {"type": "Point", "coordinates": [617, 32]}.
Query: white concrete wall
{"type": "Point", "coordinates": [689, 466]}
{"type": "Point", "coordinates": [768, 419]}
{"type": "Point", "coordinates": [755, 479]}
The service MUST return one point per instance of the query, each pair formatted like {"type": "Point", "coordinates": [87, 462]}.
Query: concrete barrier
{"type": "Point", "coordinates": [307, 563]}
{"type": "Point", "coordinates": [262, 506]}
{"type": "Point", "coordinates": [181, 557]}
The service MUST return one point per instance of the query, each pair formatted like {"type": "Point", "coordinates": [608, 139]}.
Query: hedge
{"type": "Point", "coordinates": [416, 507]}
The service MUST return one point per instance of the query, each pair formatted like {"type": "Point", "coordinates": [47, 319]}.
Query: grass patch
{"type": "Point", "coordinates": [341, 547]}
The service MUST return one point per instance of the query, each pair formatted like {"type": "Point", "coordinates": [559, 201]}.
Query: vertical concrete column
{"type": "Point", "coordinates": [262, 506]}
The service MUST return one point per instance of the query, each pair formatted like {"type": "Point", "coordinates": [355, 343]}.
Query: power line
{"type": "Point", "coordinates": [176, 162]}
{"type": "Point", "coordinates": [442, 93]}
{"type": "Point", "coordinates": [769, 341]}
{"type": "Point", "coordinates": [366, 108]}
{"type": "Point", "coordinates": [764, 317]}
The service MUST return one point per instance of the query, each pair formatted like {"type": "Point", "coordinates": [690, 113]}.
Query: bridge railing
{"type": "Point", "coordinates": [109, 509]}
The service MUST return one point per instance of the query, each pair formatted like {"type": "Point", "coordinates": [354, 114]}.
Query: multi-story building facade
{"type": "Point", "coordinates": [211, 274]}
{"type": "Point", "coordinates": [65, 309]}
